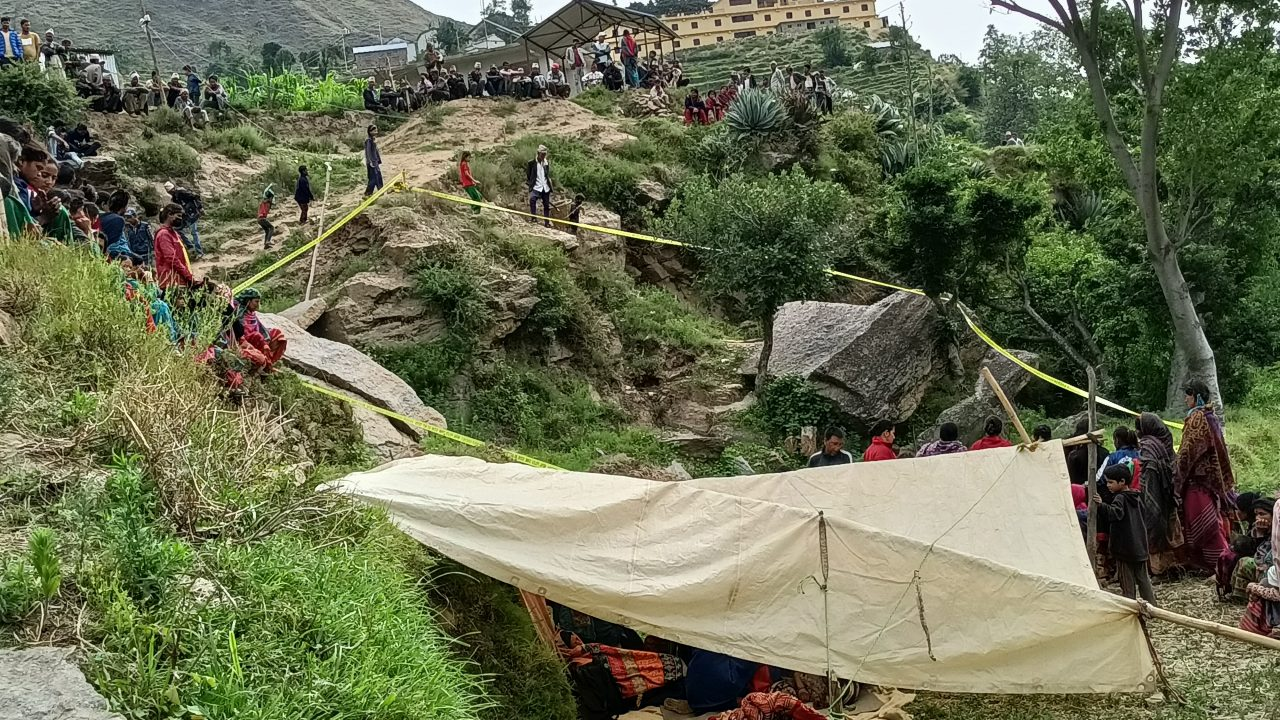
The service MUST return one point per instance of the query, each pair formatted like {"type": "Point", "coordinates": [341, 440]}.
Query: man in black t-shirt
{"type": "Point", "coordinates": [832, 452]}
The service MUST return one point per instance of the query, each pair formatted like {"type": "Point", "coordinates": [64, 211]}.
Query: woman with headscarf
{"type": "Point", "coordinates": [255, 342]}
{"type": "Point", "coordinates": [1203, 480]}
{"type": "Point", "coordinates": [1262, 614]}
{"type": "Point", "coordinates": [1159, 502]}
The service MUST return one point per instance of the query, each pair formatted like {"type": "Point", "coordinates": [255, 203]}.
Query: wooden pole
{"type": "Point", "coordinates": [315, 251]}
{"type": "Point", "coordinates": [1210, 627]}
{"type": "Point", "coordinates": [1008, 406]}
{"type": "Point", "coordinates": [1091, 485]}
{"type": "Point", "coordinates": [1082, 439]}
{"type": "Point", "coordinates": [540, 614]}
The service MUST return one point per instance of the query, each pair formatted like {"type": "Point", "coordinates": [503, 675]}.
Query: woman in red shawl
{"type": "Point", "coordinates": [1203, 480]}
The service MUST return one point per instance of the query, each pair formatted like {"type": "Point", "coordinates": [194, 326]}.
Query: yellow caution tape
{"type": "Point", "coordinates": [433, 429]}
{"type": "Point", "coordinates": [395, 185]}
{"type": "Point", "coordinates": [830, 271]}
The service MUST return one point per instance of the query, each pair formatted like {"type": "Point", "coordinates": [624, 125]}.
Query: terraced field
{"type": "Point", "coordinates": [711, 66]}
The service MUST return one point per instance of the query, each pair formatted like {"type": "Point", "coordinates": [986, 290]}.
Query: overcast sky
{"type": "Point", "coordinates": [942, 26]}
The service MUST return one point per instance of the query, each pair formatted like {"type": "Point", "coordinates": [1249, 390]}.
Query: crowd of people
{"type": "Point", "coordinates": [44, 201]}
{"type": "Point", "coordinates": [1160, 512]}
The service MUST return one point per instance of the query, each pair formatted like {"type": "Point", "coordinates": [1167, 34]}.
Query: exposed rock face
{"type": "Point", "coordinates": [695, 445]}
{"type": "Point", "coordinates": [9, 331]}
{"type": "Point", "coordinates": [100, 171]}
{"type": "Point", "coordinates": [379, 432]}
{"type": "Point", "coordinates": [43, 683]}
{"type": "Point", "coordinates": [876, 361]}
{"type": "Point", "coordinates": [306, 313]}
{"type": "Point", "coordinates": [349, 369]}
{"type": "Point", "coordinates": [379, 308]}
{"type": "Point", "coordinates": [971, 413]}
{"type": "Point", "coordinates": [510, 297]}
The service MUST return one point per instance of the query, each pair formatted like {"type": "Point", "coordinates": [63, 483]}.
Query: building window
{"type": "Point", "coordinates": [844, 9]}
{"type": "Point", "coordinates": [696, 42]}
{"type": "Point", "coordinates": [719, 38]}
{"type": "Point", "coordinates": [808, 13]}
{"type": "Point", "coordinates": [743, 18]}
{"type": "Point", "coordinates": [675, 26]}
{"type": "Point", "coordinates": [808, 26]}
{"type": "Point", "coordinates": [717, 22]}
{"type": "Point", "coordinates": [675, 43]}
{"type": "Point", "coordinates": [740, 2]}
{"type": "Point", "coordinates": [694, 24]}
{"type": "Point", "coordinates": [788, 14]}
{"type": "Point", "coordinates": [767, 18]}
{"type": "Point", "coordinates": [864, 7]}
{"type": "Point", "coordinates": [826, 11]}
{"type": "Point", "coordinates": [866, 23]}
{"type": "Point", "coordinates": [744, 34]}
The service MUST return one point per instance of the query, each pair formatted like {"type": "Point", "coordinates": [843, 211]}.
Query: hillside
{"type": "Point", "coordinates": [184, 29]}
{"type": "Point", "coordinates": [711, 66]}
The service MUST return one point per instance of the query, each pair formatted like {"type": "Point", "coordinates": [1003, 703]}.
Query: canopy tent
{"type": "Point", "coordinates": [580, 21]}
{"type": "Point", "coordinates": [915, 596]}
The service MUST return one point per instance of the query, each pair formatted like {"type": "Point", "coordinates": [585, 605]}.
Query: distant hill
{"type": "Point", "coordinates": [184, 28]}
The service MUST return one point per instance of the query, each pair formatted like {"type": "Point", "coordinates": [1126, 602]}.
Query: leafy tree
{"type": "Point", "coordinates": [870, 59]}
{"type": "Point", "coordinates": [1155, 43]}
{"type": "Point", "coordinates": [835, 46]}
{"type": "Point", "coordinates": [494, 7]}
{"type": "Point", "coordinates": [450, 36]}
{"type": "Point", "coordinates": [762, 241]}
{"type": "Point", "coordinates": [671, 7]}
{"type": "Point", "coordinates": [520, 12]}
{"type": "Point", "coordinates": [42, 99]}
{"type": "Point", "coordinates": [271, 56]}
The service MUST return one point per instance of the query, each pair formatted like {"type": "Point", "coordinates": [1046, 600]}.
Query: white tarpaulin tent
{"type": "Point", "coordinates": [962, 573]}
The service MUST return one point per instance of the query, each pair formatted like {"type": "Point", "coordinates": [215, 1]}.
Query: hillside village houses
{"type": "Point", "coordinates": [729, 20]}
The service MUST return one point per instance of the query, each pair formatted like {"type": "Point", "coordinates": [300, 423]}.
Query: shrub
{"type": "Point", "coordinates": [835, 46]}
{"type": "Point", "coordinates": [43, 99]}
{"type": "Point", "coordinates": [654, 319]}
{"type": "Point", "coordinates": [163, 157]}
{"type": "Point", "coordinates": [788, 404]}
{"type": "Point", "coordinates": [599, 100]}
{"type": "Point", "coordinates": [165, 119]}
{"type": "Point", "coordinates": [238, 143]}
{"type": "Point", "coordinates": [753, 114]}
{"type": "Point", "coordinates": [318, 144]}
{"type": "Point", "coordinates": [18, 590]}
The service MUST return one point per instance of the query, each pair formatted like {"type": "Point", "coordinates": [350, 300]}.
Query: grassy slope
{"type": "Point", "coordinates": [200, 573]}
{"type": "Point", "coordinates": [711, 66]}
{"type": "Point", "coordinates": [184, 28]}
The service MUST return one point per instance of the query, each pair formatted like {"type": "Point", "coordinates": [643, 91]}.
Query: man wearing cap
{"type": "Point", "coordinates": [538, 176]}
{"type": "Point", "coordinates": [52, 55]}
{"type": "Point", "coordinates": [602, 51]}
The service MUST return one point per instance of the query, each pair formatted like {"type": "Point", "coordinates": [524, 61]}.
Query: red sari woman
{"type": "Point", "coordinates": [1203, 479]}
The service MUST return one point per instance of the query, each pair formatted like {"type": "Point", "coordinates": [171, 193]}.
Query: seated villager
{"type": "Point", "coordinates": [256, 343]}
{"type": "Point", "coordinates": [992, 435]}
{"type": "Point", "coordinates": [557, 83]}
{"type": "Point", "coordinates": [883, 434]}
{"type": "Point", "coordinates": [695, 110]}
{"type": "Point", "coordinates": [1262, 614]}
{"type": "Point", "coordinates": [1248, 553]}
{"type": "Point", "coordinates": [613, 77]}
{"type": "Point", "coordinates": [948, 442]}
{"type": "Point", "coordinates": [135, 96]}
{"type": "Point", "coordinates": [610, 681]}
{"type": "Point", "coordinates": [89, 79]}
{"type": "Point", "coordinates": [173, 91]}
{"type": "Point", "coordinates": [215, 95]}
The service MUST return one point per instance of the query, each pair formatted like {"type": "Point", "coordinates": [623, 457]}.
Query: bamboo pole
{"type": "Point", "coordinates": [1008, 406]}
{"type": "Point", "coordinates": [1082, 439]}
{"type": "Point", "coordinates": [1209, 626]}
{"type": "Point", "coordinates": [1090, 484]}
{"type": "Point", "coordinates": [324, 207]}
{"type": "Point", "coordinates": [540, 614]}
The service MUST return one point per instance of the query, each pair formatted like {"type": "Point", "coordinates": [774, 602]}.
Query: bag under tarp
{"type": "Point", "coordinates": [959, 573]}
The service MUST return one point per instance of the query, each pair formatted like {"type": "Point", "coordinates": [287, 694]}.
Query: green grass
{"type": "Point", "coordinates": [162, 157]}
{"type": "Point", "coordinates": [206, 574]}
{"type": "Point", "coordinates": [238, 143]}
{"type": "Point", "coordinates": [599, 100]}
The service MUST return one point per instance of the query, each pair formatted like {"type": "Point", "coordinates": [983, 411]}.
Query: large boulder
{"type": "Point", "coordinates": [349, 369]}
{"type": "Point", "coordinates": [875, 361]}
{"type": "Point", "coordinates": [100, 171]}
{"type": "Point", "coordinates": [970, 414]}
{"type": "Point", "coordinates": [306, 313]}
{"type": "Point", "coordinates": [379, 308]}
{"type": "Point", "coordinates": [44, 683]}
{"type": "Point", "coordinates": [379, 433]}
{"type": "Point", "coordinates": [510, 297]}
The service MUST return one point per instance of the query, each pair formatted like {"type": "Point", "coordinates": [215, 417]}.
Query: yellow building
{"type": "Point", "coordinates": [730, 20]}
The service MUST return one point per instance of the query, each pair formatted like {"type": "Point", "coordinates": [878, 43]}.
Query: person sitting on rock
{"type": "Point", "coordinates": [881, 447]}
{"type": "Point", "coordinates": [992, 435]}
{"type": "Point", "coordinates": [557, 83]}
{"type": "Point", "coordinates": [141, 242]}
{"type": "Point", "coordinates": [215, 95]}
{"type": "Point", "coordinates": [457, 84]}
{"type": "Point", "coordinates": [135, 96]}
{"type": "Point", "coordinates": [389, 98]}
{"type": "Point", "coordinates": [256, 343]}
{"type": "Point", "coordinates": [194, 115]}
{"type": "Point", "coordinates": [695, 110]}
{"type": "Point", "coordinates": [89, 81]}
{"type": "Point", "coordinates": [372, 102]}
{"type": "Point", "coordinates": [948, 442]}
{"type": "Point", "coordinates": [173, 91]}
{"type": "Point", "coordinates": [832, 452]}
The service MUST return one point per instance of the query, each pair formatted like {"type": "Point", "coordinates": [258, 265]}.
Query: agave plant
{"type": "Point", "coordinates": [755, 113]}
{"type": "Point", "coordinates": [897, 157]}
{"type": "Point", "coordinates": [1080, 207]}
{"type": "Point", "coordinates": [801, 110]}
{"type": "Point", "coordinates": [889, 122]}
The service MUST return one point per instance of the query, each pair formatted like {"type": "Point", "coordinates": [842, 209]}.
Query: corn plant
{"type": "Point", "coordinates": [294, 91]}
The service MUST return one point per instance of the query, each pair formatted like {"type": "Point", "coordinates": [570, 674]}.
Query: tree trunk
{"type": "Point", "coordinates": [1192, 355]}
{"type": "Point", "coordinates": [762, 366]}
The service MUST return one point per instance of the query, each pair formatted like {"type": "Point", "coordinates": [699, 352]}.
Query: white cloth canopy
{"type": "Point", "coordinates": [982, 549]}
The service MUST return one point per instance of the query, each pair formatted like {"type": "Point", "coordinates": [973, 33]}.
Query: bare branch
{"type": "Point", "coordinates": [1014, 7]}
{"type": "Point", "coordinates": [1049, 330]}
{"type": "Point", "coordinates": [1168, 52]}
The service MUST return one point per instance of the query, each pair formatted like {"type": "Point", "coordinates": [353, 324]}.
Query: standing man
{"type": "Point", "coordinates": [629, 52]}
{"type": "Point", "coordinates": [372, 162]}
{"type": "Point", "coordinates": [538, 175]}
{"type": "Point", "coordinates": [575, 64]}
{"type": "Point", "coordinates": [193, 84]}
{"type": "Point", "coordinates": [832, 452]}
{"type": "Point", "coordinates": [602, 51]}
{"type": "Point", "coordinates": [192, 209]}
{"type": "Point", "coordinates": [777, 81]}
{"type": "Point", "coordinates": [52, 54]}
{"type": "Point", "coordinates": [30, 43]}
{"type": "Point", "coordinates": [881, 447]}
{"type": "Point", "coordinates": [11, 47]}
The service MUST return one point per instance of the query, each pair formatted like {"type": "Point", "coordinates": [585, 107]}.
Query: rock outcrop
{"type": "Point", "coordinates": [875, 361]}
{"type": "Point", "coordinates": [43, 683]}
{"type": "Point", "coordinates": [306, 313]}
{"type": "Point", "coordinates": [971, 413]}
{"type": "Point", "coordinates": [379, 308]}
{"type": "Point", "coordinates": [351, 370]}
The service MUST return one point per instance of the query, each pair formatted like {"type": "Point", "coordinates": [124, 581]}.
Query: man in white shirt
{"type": "Point", "coordinates": [593, 78]}
{"type": "Point", "coordinates": [602, 51]}
{"type": "Point", "coordinates": [777, 82]}
{"type": "Point", "coordinates": [538, 176]}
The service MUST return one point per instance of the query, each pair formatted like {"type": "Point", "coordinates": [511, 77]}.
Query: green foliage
{"type": "Point", "coordinates": [238, 143]}
{"type": "Point", "coordinates": [851, 150]}
{"type": "Point", "coordinates": [764, 240]}
{"type": "Point", "coordinates": [42, 550]}
{"type": "Point", "coordinates": [30, 95]}
{"type": "Point", "coordinates": [654, 319]}
{"type": "Point", "coordinates": [165, 120]}
{"type": "Point", "coordinates": [19, 593]}
{"type": "Point", "coordinates": [242, 203]}
{"type": "Point", "coordinates": [599, 100]}
{"type": "Point", "coordinates": [835, 46]}
{"type": "Point", "coordinates": [294, 91]}
{"type": "Point", "coordinates": [790, 403]}
{"type": "Point", "coordinates": [754, 114]}
{"type": "Point", "coordinates": [162, 157]}
{"type": "Point", "coordinates": [144, 562]}
{"type": "Point", "coordinates": [601, 177]}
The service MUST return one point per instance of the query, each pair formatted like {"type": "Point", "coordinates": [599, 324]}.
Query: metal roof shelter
{"type": "Point", "coordinates": [580, 21]}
